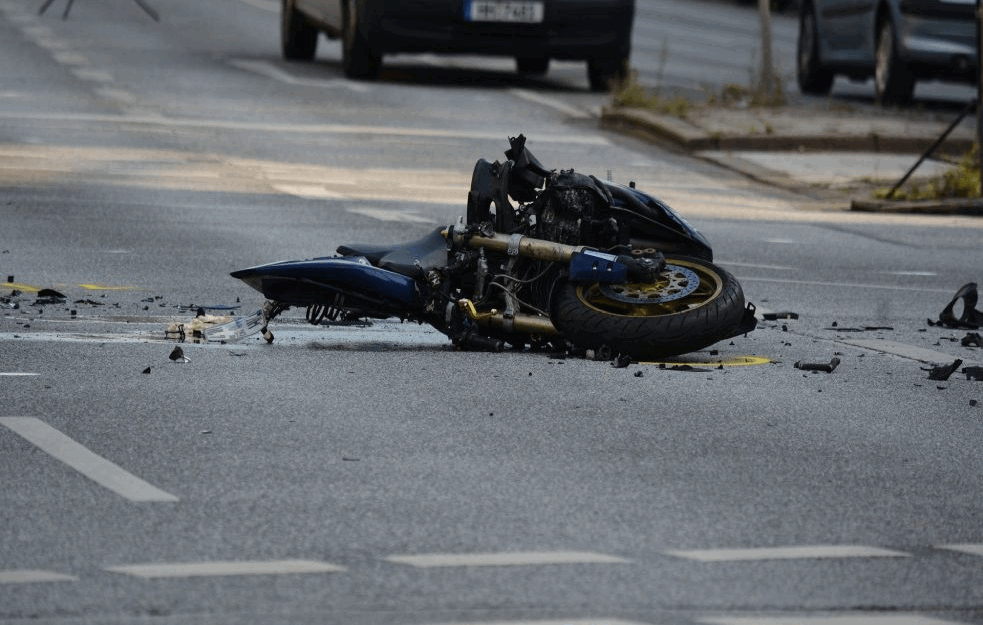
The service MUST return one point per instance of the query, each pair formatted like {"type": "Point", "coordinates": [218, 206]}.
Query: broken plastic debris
{"type": "Point", "coordinates": [49, 296]}
{"type": "Point", "coordinates": [214, 328]}
{"type": "Point", "coordinates": [684, 368]}
{"type": "Point", "coordinates": [775, 316]}
{"type": "Point", "coordinates": [621, 361]}
{"type": "Point", "coordinates": [970, 318]}
{"type": "Point", "coordinates": [942, 372]}
{"type": "Point", "coordinates": [974, 373]}
{"type": "Point", "coordinates": [972, 339]}
{"type": "Point", "coordinates": [828, 367]}
{"type": "Point", "coordinates": [177, 355]}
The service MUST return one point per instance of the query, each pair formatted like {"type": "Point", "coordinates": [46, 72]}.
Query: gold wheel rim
{"type": "Point", "coordinates": [711, 284]}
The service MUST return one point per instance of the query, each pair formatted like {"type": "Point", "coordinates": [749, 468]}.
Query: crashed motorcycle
{"type": "Point", "coordinates": [544, 259]}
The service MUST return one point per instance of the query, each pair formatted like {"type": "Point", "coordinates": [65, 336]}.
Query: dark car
{"type": "Point", "coordinates": [531, 31]}
{"type": "Point", "coordinates": [896, 41]}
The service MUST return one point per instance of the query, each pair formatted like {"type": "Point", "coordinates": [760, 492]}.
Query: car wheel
{"type": "Point", "coordinates": [532, 66]}
{"type": "Point", "coordinates": [298, 38]}
{"type": "Point", "coordinates": [893, 81]}
{"type": "Point", "coordinates": [357, 58]}
{"type": "Point", "coordinates": [812, 76]}
{"type": "Point", "coordinates": [605, 73]}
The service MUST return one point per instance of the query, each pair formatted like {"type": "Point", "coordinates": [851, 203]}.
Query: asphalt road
{"type": "Point", "coordinates": [374, 475]}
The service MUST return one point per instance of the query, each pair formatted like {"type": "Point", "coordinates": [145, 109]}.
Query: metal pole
{"type": "Point", "coordinates": [767, 71]}
{"type": "Point", "coordinates": [931, 149]}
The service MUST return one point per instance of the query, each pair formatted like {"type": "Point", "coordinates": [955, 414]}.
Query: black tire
{"type": "Point", "coordinates": [603, 74]}
{"type": "Point", "coordinates": [357, 58]}
{"type": "Point", "coordinates": [893, 81]}
{"type": "Point", "coordinates": [711, 313]}
{"type": "Point", "coordinates": [298, 38]}
{"type": "Point", "coordinates": [532, 66]}
{"type": "Point", "coordinates": [813, 78]}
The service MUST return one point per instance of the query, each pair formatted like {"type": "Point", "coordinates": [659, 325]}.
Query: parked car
{"type": "Point", "coordinates": [531, 31]}
{"type": "Point", "coordinates": [898, 42]}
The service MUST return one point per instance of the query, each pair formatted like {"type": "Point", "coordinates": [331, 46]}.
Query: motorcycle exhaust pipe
{"type": "Point", "coordinates": [518, 245]}
{"type": "Point", "coordinates": [520, 322]}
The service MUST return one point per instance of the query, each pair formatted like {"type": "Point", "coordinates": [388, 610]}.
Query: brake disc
{"type": "Point", "coordinates": [674, 283]}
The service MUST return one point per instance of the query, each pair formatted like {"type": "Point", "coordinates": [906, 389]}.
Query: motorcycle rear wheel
{"type": "Point", "coordinates": [666, 318]}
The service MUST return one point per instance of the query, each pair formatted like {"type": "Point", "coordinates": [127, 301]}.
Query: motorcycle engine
{"type": "Point", "coordinates": [575, 210]}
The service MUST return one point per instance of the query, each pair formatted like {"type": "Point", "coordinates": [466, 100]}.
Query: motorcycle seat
{"type": "Point", "coordinates": [413, 259]}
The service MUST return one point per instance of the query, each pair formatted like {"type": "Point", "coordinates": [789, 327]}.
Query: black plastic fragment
{"type": "Point", "coordinates": [775, 316]}
{"type": "Point", "coordinates": [942, 372]}
{"type": "Point", "coordinates": [176, 354]}
{"type": "Point", "coordinates": [974, 373]}
{"type": "Point", "coordinates": [147, 370]}
{"type": "Point", "coordinates": [690, 368]}
{"type": "Point", "coordinates": [972, 339]}
{"type": "Point", "coordinates": [639, 373]}
{"type": "Point", "coordinates": [49, 296]}
{"type": "Point", "coordinates": [621, 362]}
{"type": "Point", "coordinates": [828, 367]}
{"type": "Point", "coordinates": [970, 319]}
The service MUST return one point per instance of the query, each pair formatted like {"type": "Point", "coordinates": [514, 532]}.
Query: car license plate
{"type": "Point", "coordinates": [520, 11]}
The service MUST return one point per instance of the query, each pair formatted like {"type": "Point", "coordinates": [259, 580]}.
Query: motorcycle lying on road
{"type": "Point", "coordinates": [575, 261]}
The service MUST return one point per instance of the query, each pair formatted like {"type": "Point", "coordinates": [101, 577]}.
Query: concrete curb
{"type": "Point", "coordinates": [666, 128]}
{"type": "Point", "coordinates": [939, 207]}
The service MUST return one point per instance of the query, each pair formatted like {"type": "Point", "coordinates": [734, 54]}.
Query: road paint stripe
{"type": "Point", "coordinates": [309, 191]}
{"type": "Point", "coordinates": [786, 553]}
{"type": "Point", "coordinates": [514, 558]}
{"type": "Point", "coordinates": [103, 287]}
{"type": "Point", "coordinates": [18, 286]}
{"type": "Point", "coordinates": [51, 44]}
{"type": "Point", "coordinates": [70, 58]}
{"type": "Point", "coordinates": [89, 464]}
{"type": "Point", "coordinates": [386, 214]}
{"type": "Point", "coordinates": [734, 263]}
{"type": "Point", "coordinates": [39, 31]}
{"type": "Point", "coordinates": [848, 285]}
{"type": "Point", "coordinates": [975, 549]}
{"type": "Point", "coordinates": [308, 129]}
{"type": "Point", "coordinates": [859, 618]}
{"type": "Point", "coordinates": [910, 273]}
{"type": "Point", "coordinates": [553, 103]}
{"type": "Point", "coordinates": [781, 241]}
{"type": "Point", "coordinates": [94, 75]}
{"type": "Point", "coordinates": [32, 576]}
{"type": "Point", "coordinates": [269, 70]}
{"type": "Point", "coordinates": [265, 5]}
{"type": "Point", "coordinates": [17, 374]}
{"type": "Point", "coordinates": [119, 95]}
{"type": "Point", "coordinates": [225, 568]}
{"type": "Point", "coordinates": [911, 352]}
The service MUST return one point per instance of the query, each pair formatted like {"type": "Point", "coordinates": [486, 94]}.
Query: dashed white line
{"type": "Point", "coordinates": [553, 103]}
{"type": "Point", "coordinates": [118, 95]}
{"type": "Point", "coordinates": [265, 68]}
{"type": "Point", "coordinates": [850, 285]}
{"type": "Point", "coordinates": [89, 464]}
{"type": "Point", "coordinates": [309, 191]}
{"type": "Point", "coordinates": [911, 352]}
{"type": "Point", "coordinates": [225, 568]}
{"type": "Point", "coordinates": [33, 576]}
{"type": "Point", "coordinates": [94, 75]}
{"type": "Point", "coordinates": [388, 214]}
{"type": "Point", "coordinates": [910, 273]}
{"type": "Point", "coordinates": [781, 241]}
{"type": "Point", "coordinates": [970, 548]}
{"type": "Point", "coordinates": [51, 44]}
{"type": "Point", "coordinates": [70, 58]}
{"type": "Point", "coordinates": [859, 618]}
{"type": "Point", "coordinates": [515, 558]}
{"type": "Point", "coordinates": [734, 263]}
{"type": "Point", "coordinates": [16, 374]}
{"type": "Point", "coordinates": [787, 553]}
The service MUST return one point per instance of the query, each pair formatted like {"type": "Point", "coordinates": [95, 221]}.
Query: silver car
{"type": "Point", "coordinates": [896, 41]}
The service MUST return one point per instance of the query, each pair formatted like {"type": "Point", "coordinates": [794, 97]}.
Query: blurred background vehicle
{"type": "Point", "coordinates": [531, 31]}
{"type": "Point", "coordinates": [898, 42]}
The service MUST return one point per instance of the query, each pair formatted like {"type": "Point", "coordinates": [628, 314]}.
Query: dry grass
{"type": "Point", "coordinates": [962, 181]}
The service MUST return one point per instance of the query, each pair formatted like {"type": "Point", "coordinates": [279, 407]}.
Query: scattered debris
{"type": "Point", "coordinates": [147, 370]}
{"type": "Point", "coordinates": [621, 361]}
{"type": "Point", "coordinates": [828, 367]}
{"type": "Point", "coordinates": [972, 339]}
{"type": "Point", "coordinates": [714, 352]}
{"type": "Point", "coordinates": [213, 328]}
{"type": "Point", "coordinates": [845, 329]}
{"type": "Point", "coordinates": [973, 403]}
{"type": "Point", "coordinates": [775, 316]}
{"type": "Point", "coordinates": [942, 372]}
{"type": "Point", "coordinates": [875, 328]}
{"type": "Point", "coordinates": [344, 459]}
{"type": "Point", "coordinates": [90, 302]}
{"type": "Point", "coordinates": [684, 368]}
{"type": "Point", "coordinates": [639, 373]}
{"type": "Point", "coordinates": [206, 431]}
{"type": "Point", "coordinates": [177, 355]}
{"type": "Point", "coordinates": [49, 296]}
{"type": "Point", "coordinates": [970, 319]}
{"type": "Point", "coordinates": [974, 373]}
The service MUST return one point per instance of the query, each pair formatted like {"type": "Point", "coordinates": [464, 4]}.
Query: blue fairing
{"type": "Point", "coordinates": [320, 280]}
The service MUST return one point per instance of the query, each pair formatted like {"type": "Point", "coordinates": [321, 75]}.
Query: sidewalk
{"type": "Point", "coordinates": [837, 149]}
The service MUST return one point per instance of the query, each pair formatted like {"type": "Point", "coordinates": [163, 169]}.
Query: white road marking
{"type": "Point", "coordinates": [31, 576]}
{"type": "Point", "coordinates": [309, 129]}
{"type": "Point", "coordinates": [70, 58]}
{"type": "Point", "coordinates": [851, 285]}
{"type": "Point", "coordinates": [309, 191]}
{"type": "Point", "coordinates": [116, 94]}
{"type": "Point", "coordinates": [265, 5]}
{"type": "Point", "coordinates": [39, 31]}
{"type": "Point", "coordinates": [388, 214]}
{"type": "Point", "coordinates": [911, 352]}
{"type": "Point", "coordinates": [515, 558]}
{"type": "Point", "coordinates": [265, 68]}
{"type": "Point", "coordinates": [224, 568]}
{"type": "Point", "coordinates": [94, 75]}
{"type": "Point", "coordinates": [593, 621]}
{"type": "Point", "coordinates": [859, 618]}
{"type": "Point", "coordinates": [734, 263]}
{"type": "Point", "coordinates": [787, 553]}
{"type": "Point", "coordinates": [51, 44]}
{"type": "Point", "coordinates": [89, 464]}
{"type": "Point", "coordinates": [970, 548]}
{"type": "Point", "coordinates": [553, 103]}
{"type": "Point", "coordinates": [16, 374]}
{"type": "Point", "coordinates": [781, 241]}
{"type": "Point", "coordinates": [910, 273]}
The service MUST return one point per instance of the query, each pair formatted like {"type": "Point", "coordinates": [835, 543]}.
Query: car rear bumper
{"type": "Point", "coordinates": [571, 29]}
{"type": "Point", "coordinates": [940, 43]}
